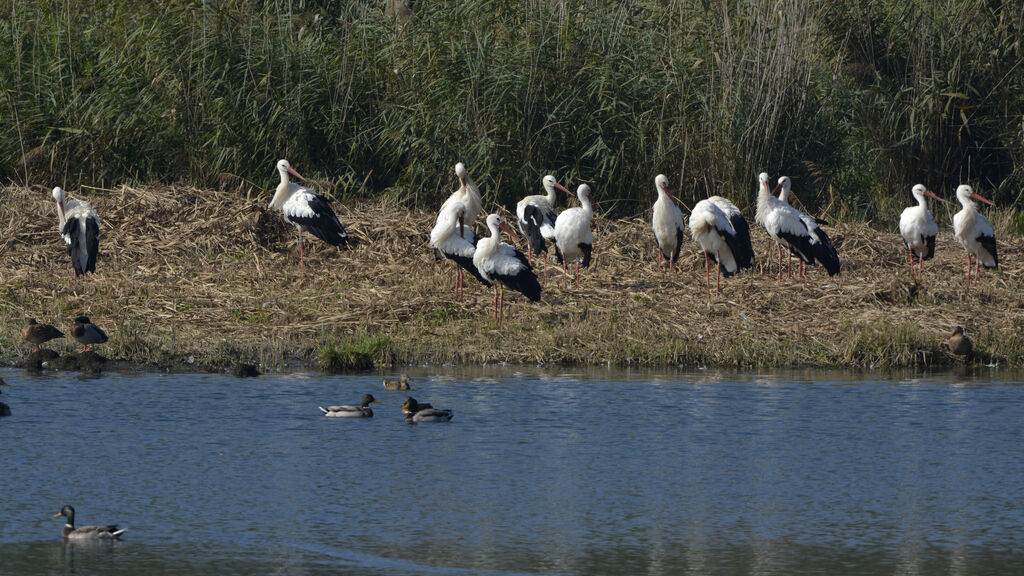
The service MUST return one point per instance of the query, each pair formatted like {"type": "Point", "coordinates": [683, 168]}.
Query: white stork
{"type": "Point", "coordinates": [537, 217]}
{"type": "Point", "coordinates": [502, 265]}
{"type": "Point", "coordinates": [782, 222]}
{"type": "Point", "coordinates": [80, 227]}
{"type": "Point", "coordinates": [467, 193]}
{"type": "Point", "coordinates": [822, 249]}
{"type": "Point", "coordinates": [918, 228]}
{"type": "Point", "coordinates": [974, 232]}
{"type": "Point", "coordinates": [454, 241]}
{"type": "Point", "coordinates": [715, 225]}
{"type": "Point", "coordinates": [667, 222]}
{"type": "Point", "coordinates": [573, 238]}
{"type": "Point", "coordinates": [306, 210]}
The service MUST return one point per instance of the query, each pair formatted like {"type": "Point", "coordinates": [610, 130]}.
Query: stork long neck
{"type": "Point", "coordinates": [763, 201]}
{"type": "Point", "coordinates": [552, 194]}
{"type": "Point", "coordinates": [60, 213]}
{"type": "Point", "coordinates": [490, 244]}
{"type": "Point", "coordinates": [585, 203]}
{"type": "Point", "coordinates": [784, 193]}
{"type": "Point", "coordinates": [283, 192]}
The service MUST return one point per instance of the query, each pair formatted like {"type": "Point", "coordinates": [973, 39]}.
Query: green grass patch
{"type": "Point", "coordinates": [356, 352]}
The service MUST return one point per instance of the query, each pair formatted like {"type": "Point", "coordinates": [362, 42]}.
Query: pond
{"type": "Point", "coordinates": [541, 471]}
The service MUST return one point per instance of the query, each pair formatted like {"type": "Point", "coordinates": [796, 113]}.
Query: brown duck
{"type": "Point", "coordinates": [959, 343]}
{"type": "Point", "coordinates": [401, 383]}
{"type": "Point", "coordinates": [36, 333]}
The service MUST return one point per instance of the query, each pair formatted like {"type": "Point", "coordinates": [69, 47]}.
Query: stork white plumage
{"type": "Point", "coordinates": [79, 225]}
{"type": "Point", "coordinates": [974, 232]}
{"type": "Point", "coordinates": [502, 265]}
{"type": "Point", "coordinates": [667, 222]}
{"type": "Point", "coordinates": [720, 230]}
{"type": "Point", "coordinates": [538, 223]}
{"type": "Point", "coordinates": [467, 193]}
{"type": "Point", "coordinates": [573, 238]}
{"type": "Point", "coordinates": [918, 228]}
{"type": "Point", "coordinates": [782, 222]}
{"type": "Point", "coordinates": [821, 248]}
{"type": "Point", "coordinates": [306, 210]}
{"type": "Point", "coordinates": [455, 241]}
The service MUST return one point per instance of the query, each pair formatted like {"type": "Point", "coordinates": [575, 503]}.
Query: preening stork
{"type": "Point", "coordinates": [974, 232]}
{"type": "Point", "coordinates": [822, 249]}
{"type": "Point", "coordinates": [782, 223]}
{"type": "Point", "coordinates": [502, 265]}
{"type": "Point", "coordinates": [467, 193]}
{"type": "Point", "coordinates": [306, 210]}
{"type": "Point", "coordinates": [918, 228]}
{"type": "Point", "coordinates": [80, 227]}
{"type": "Point", "coordinates": [537, 217]}
{"type": "Point", "coordinates": [454, 240]}
{"type": "Point", "coordinates": [573, 238]}
{"type": "Point", "coordinates": [667, 222]}
{"type": "Point", "coordinates": [714, 224]}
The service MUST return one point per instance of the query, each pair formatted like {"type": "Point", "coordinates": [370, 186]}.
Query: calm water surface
{"type": "Point", "coordinates": [539, 473]}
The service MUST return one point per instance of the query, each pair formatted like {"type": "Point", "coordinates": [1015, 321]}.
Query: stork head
{"type": "Point", "coordinates": [661, 182]}
{"type": "Point", "coordinates": [583, 192]}
{"type": "Point", "coordinates": [784, 183]}
{"type": "Point", "coordinates": [285, 168]}
{"type": "Point", "coordinates": [551, 184]}
{"type": "Point", "coordinates": [964, 193]}
{"type": "Point", "coordinates": [460, 171]}
{"type": "Point", "coordinates": [58, 195]}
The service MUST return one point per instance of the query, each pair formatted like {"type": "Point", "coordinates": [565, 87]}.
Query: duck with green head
{"type": "Point", "coordinates": [111, 532]}
{"type": "Point", "coordinates": [349, 411]}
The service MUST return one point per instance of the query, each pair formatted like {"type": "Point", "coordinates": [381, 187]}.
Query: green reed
{"type": "Point", "coordinates": [855, 101]}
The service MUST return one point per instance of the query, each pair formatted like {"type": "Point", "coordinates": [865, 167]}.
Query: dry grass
{"type": "Point", "coordinates": [214, 276]}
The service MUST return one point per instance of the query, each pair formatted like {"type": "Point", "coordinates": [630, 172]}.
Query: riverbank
{"type": "Point", "coordinates": [193, 279]}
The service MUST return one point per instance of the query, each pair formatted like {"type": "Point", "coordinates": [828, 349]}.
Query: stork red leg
{"type": "Point", "coordinates": [780, 261]}
{"type": "Point", "coordinates": [718, 279]}
{"type": "Point", "coordinates": [707, 273]}
{"type": "Point", "coordinates": [302, 262]}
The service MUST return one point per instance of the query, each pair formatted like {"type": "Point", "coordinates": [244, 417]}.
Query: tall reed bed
{"type": "Point", "coordinates": [856, 101]}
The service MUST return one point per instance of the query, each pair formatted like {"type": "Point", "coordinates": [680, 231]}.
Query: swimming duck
{"type": "Point", "coordinates": [348, 411]}
{"type": "Point", "coordinates": [401, 383]}
{"type": "Point", "coordinates": [5, 410]}
{"type": "Point", "coordinates": [959, 343]}
{"type": "Point", "coordinates": [38, 334]}
{"type": "Point", "coordinates": [111, 532]}
{"type": "Point", "coordinates": [417, 412]}
{"type": "Point", "coordinates": [87, 333]}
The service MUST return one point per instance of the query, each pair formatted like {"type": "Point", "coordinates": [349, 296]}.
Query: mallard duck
{"type": "Point", "coordinates": [111, 532]}
{"type": "Point", "coordinates": [417, 412]}
{"type": "Point", "coordinates": [959, 343]}
{"type": "Point", "coordinates": [348, 411]}
{"type": "Point", "coordinates": [87, 333]}
{"type": "Point", "coordinates": [401, 383]}
{"type": "Point", "coordinates": [5, 410]}
{"type": "Point", "coordinates": [36, 333]}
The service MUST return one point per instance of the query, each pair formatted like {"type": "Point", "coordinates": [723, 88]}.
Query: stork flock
{"type": "Point", "coordinates": [715, 224]}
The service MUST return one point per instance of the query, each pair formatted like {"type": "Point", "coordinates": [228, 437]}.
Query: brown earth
{"type": "Point", "coordinates": [205, 279]}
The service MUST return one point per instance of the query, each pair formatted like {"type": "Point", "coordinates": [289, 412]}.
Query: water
{"type": "Point", "coordinates": [538, 473]}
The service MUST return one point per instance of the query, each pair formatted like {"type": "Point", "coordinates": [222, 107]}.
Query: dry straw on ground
{"type": "Point", "coordinates": [213, 276]}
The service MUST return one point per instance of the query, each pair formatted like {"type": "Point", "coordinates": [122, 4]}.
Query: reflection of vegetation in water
{"type": "Point", "coordinates": [855, 101]}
